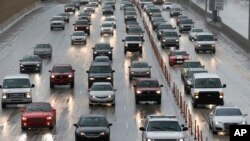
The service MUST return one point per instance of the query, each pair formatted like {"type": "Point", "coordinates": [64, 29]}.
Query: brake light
{"type": "Point", "coordinates": [172, 57]}
{"type": "Point", "coordinates": [186, 57]}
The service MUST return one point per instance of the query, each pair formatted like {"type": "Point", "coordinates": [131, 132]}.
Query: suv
{"type": "Point", "coordinates": [30, 63]}
{"type": "Point", "coordinates": [82, 25]}
{"type": "Point", "coordinates": [185, 25]}
{"type": "Point", "coordinates": [133, 43]}
{"type": "Point", "coordinates": [57, 22]}
{"type": "Point", "coordinates": [175, 12]}
{"type": "Point", "coordinates": [169, 38]}
{"type": "Point", "coordinates": [135, 31]}
{"type": "Point", "coordinates": [62, 74]}
{"type": "Point", "coordinates": [162, 128]}
{"type": "Point", "coordinates": [16, 89]}
{"type": "Point", "coordinates": [100, 72]}
{"type": "Point", "coordinates": [147, 89]}
{"type": "Point", "coordinates": [102, 49]}
{"type": "Point", "coordinates": [206, 88]}
{"type": "Point", "coordinates": [204, 42]}
{"type": "Point", "coordinates": [130, 15]}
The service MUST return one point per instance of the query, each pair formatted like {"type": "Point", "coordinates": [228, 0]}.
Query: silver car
{"type": "Point", "coordinates": [78, 37]}
{"type": "Point", "coordinates": [111, 20]}
{"type": "Point", "coordinates": [139, 69]}
{"type": "Point", "coordinates": [221, 117]}
{"type": "Point", "coordinates": [43, 50]}
{"type": "Point", "coordinates": [102, 93]}
{"type": "Point", "coordinates": [193, 32]}
{"type": "Point", "coordinates": [57, 22]}
{"type": "Point", "coordinates": [107, 28]}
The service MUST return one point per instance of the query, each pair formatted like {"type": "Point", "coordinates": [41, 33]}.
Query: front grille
{"type": "Point", "coordinates": [227, 125]}
{"type": "Point", "coordinates": [61, 76]}
{"type": "Point", "coordinates": [16, 95]}
{"type": "Point", "coordinates": [149, 92]}
{"type": "Point", "coordinates": [36, 119]}
{"type": "Point", "coordinates": [101, 97]}
{"type": "Point", "coordinates": [133, 45]}
{"type": "Point", "coordinates": [209, 95]}
{"type": "Point", "coordinates": [56, 23]}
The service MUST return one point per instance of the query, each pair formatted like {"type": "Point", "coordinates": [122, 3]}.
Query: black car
{"type": "Point", "coordinates": [92, 127]}
{"type": "Point", "coordinates": [133, 43]}
{"type": "Point", "coordinates": [111, 3]}
{"type": "Point", "coordinates": [170, 38]}
{"type": "Point", "coordinates": [130, 15]}
{"type": "Point", "coordinates": [151, 11]}
{"type": "Point", "coordinates": [82, 25]}
{"type": "Point", "coordinates": [177, 20]}
{"type": "Point", "coordinates": [102, 49]}
{"type": "Point", "coordinates": [135, 31]}
{"type": "Point", "coordinates": [65, 16]}
{"type": "Point", "coordinates": [100, 72]}
{"type": "Point", "coordinates": [155, 15]}
{"type": "Point", "coordinates": [185, 25]}
{"type": "Point", "coordinates": [69, 7]}
{"type": "Point", "coordinates": [107, 10]}
{"type": "Point", "coordinates": [30, 63]}
{"type": "Point", "coordinates": [83, 2]}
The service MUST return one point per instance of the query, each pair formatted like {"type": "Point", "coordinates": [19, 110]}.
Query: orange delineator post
{"type": "Point", "coordinates": [195, 129]}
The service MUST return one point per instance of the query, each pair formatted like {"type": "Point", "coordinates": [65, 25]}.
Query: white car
{"type": "Point", "coordinates": [166, 5]}
{"type": "Point", "coordinates": [221, 117]}
{"type": "Point", "coordinates": [102, 93]}
{"type": "Point", "coordinates": [111, 20]}
{"type": "Point", "coordinates": [107, 28]}
{"type": "Point", "coordinates": [193, 32]}
{"type": "Point", "coordinates": [163, 128]}
{"type": "Point", "coordinates": [57, 22]}
{"type": "Point", "coordinates": [78, 37]}
{"type": "Point", "coordinates": [205, 42]}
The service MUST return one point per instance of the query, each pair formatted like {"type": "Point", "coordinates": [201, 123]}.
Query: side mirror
{"type": "Point", "coordinates": [75, 125]}
{"type": "Point", "coordinates": [49, 70]}
{"type": "Point", "coordinates": [174, 27]}
{"type": "Point", "coordinates": [73, 70]}
{"type": "Point", "coordinates": [113, 71]}
{"type": "Point", "coordinates": [191, 86]}
{"type": "Point", "coordinates": [143, 40]}
{"type": "Point", "coordinates": [184, 129]}
{"type": "Point", "coordinates": [123, 40]}
{"type": "Point", "coordinates": [194, 39]}
{"type": "Point", "coordinates": [33, 85]}
{"type": "Point", "coordinates": [110, 124]}
{"type": "Point", "coordinates": [142, 128]}
{"type": "Point", "coordinates": [112, 47]}
{"type": "Point", "coordinates": [74, 24]}
{"type": "Point", "coordinates": [54, 110]}
{"type": "Point", "coordinates": [161, 85]}
{"type": "Point", "coordinates": [224, 85]}
{"type": "Point", "coordinates": [89, 23]}
{"type": "Point", "coordinates": [20, 60]}
{"type": "Point", "coordinates": [134, 85]}
{"type": "Point", "coordinates": [150, 66]}
{"type": "Point", "coordinates": [115, 89]}
{"type": "Point", "coordinates": [179, 35]}
{"type": "Point", "coordinates": [129, 66]}
{"type": "Point", "coordinates": [203, 66]}
{"type": "Point", "coordinates": [87, 71]}
{"type": "Point", "coordinates": [216, 39]}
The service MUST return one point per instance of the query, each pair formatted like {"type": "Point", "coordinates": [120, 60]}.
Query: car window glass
{"type": "Point", "coordinates": [78, 34]}
{"type": "Point", "coordinates": [31, 58]}
{"type": "Point", "coordinates": [92, 121]}
{"type": "Point", "coordinates": [62, 69]}
{"type": "Point", "coordinates": [16, 83]}
{"type": "Point", "coordinates": [169, 34]}
{"type": "Point", "coordinates": [133, 38]}
{"type": "Point", "coordinates": [205, 38]}
{"type": "Point", "coordinates": [147, 84]}
{"type": "Point", "coordinates": [100, 69]}
{"type": "Point", "coordinates": [102, 46]}
{"type": "Point", "coordinates": [38, 107]}
{"type": "Point", "coordinates": [43, 46]}
{"type": "Point", "coordinates": [163, 126]}
{"type": "Point", "coordinates": [192, 65]}
{"type": "Point", "coordinates": [101, 88]}
{"type": "Point", "coordinates": [208, 83]}
{"type": "Point", "coordinates": [228, 112]}
{"type": "Point", "coordinates": [178, 53]}
{"type": "Point", "coordinates": [139, 65]}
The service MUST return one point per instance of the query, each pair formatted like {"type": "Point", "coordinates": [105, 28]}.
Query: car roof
{"type": "Point", "coordinates": [130, 35]}
{"type": "Point", "coordinates": [93, 115]}
{"type": "Point", "coordinates": [146, 79]}
{"type": "Point", "coordinates": [102, 83]}
{"type": "Point", "coordinates": [100, 64]}
{"type": "Point", "coordinates": [191, 61]}
{"type": "Point", "coordinates": [139, 62]}
{"type": "Point", "coordinates": [206, 75]}
{"type": "Point", "coordinates": [102, 56]}
{"type": "Point", "coordinates": [162, 118]}
{"type": "Point", "coordinates": [197, 69]}
{"type": "Point", "coordinates": [10, 76]}
{"type": "Point", "coordinates": [204, 33]}
{"type": "Point", "coordinates": [39, 103]}
{"type": "Point", "coordinates": [224, 107]}
{"type": "Point", "coordinates": [61, 65]}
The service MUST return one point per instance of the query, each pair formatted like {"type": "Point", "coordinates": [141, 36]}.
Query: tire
{"type": "Point", "coordinates": [214, 132]}
{"type": "Point", "coordinates": [72, 85]}
{"type": "Point", "coordinates": [197, 51]}
{"type": "Point", "coordinates": [180, 31]}
{"type": "Point", "coordinates": [177, 47]}
{"type": "Point", "coordinates": [136, 101]}
{"type": "Point", "coordinates": [51, 85]}
{"type": "Point", "coordinates": [3, 106]}
{"type": "Point", "coordinates": [214, 51]}
{"type": "Point", "coordinates": [51, 28]}
{"type": "Point", "coordinates": [194, 105]}
{"type": "Point", "coordinates": [101, 34]}
{"type": "Point", "coordinates": [158, 102]}
{"type": "Point", "coordinates": [72, 43]}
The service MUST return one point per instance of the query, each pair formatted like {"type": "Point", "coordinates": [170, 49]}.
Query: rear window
{"type": "Point", "coordinates": [43, 107]}
{"type": "Point", "coordinates": [16, 83]}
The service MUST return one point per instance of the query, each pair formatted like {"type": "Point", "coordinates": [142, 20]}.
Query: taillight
{"type": "Point", "coordinates": [186, 57]}
{"type": "Point", "coordinates": [172, 57]}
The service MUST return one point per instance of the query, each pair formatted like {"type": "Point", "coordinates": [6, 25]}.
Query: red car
{"type": "Point", "coordinates": [38, 114]}
{"type": "Point", "coordinates": [147, 89]}
{"type": "Point", "coordinates": [177, 57]}
{"type": "Point", "coordinates": [62, 74]}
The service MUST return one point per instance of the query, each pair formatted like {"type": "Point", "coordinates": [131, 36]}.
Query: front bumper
{"type": "Point", "coordinates": [63, 81]}
{"type": "Point", "coordinates": [102, 100]}
{"type": "Point", "coordinates": [17, 101]}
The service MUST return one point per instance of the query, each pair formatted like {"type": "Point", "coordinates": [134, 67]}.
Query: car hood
{"type": "Point", "coordinates": [57, 21]}
{"type": "Point", "coordinates": [91, 129]}
{"type": "Point", "coordinates": [133, 42]}
{"type": "Point", "coordinates": [183, 24]}
{"type": "Point", "coordinates": [68, 73]}
{"type": "Point", "coordinates": [78, 37]}
{"type": "Point", "coordinates": [30, 62]}
{"type": "Point", "coordinates": [165, 135]}
{"type": "Point", "coordinates": [99, 74]}
{"type": "Point", "coordinates": [42, 49]}
{"type": "Point", "coordinates": [36, 114]}
{"type": "Point", "coordinates": [17, 90]}
{"type": "Point", "coordinates": [229, 119]}
{"type": "Point", "coordinates": [139, 69]}
{"type": "Point", "coordinates": [205, 42]}
{"type": "Point", "coordinates": [107, 28]}
{"type": "Point", "coordinates": [208, 90]}
{"type": "Point", "coordinates": [101, 93]}
{"type": "Point", "coordinates": [148, 89]}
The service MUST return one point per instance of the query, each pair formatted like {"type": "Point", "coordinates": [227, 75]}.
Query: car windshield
{"type": "Point", "coordinates": [102, 87]}
{"type": "Point", "coordinates": [186, 21]}
{"type": "Point", "coordinates": [190, 73]}
{"type": "Point", "coordinates": [182, 17]}
{"type": "Point", "coordinates": [78, 34]}
{"type": "Point", "coordinates": [16, 83]}
{"type": "Point", "coordinates": [130, 13]}
{"type": "Point", "coordinates": [100, 69]}
{"type": "Point", "coordinates": [228, 112]}
{"type": "Point", "coordinates": [92, 121]}
{"type": "Point", "coordinates": [163, 126]}
{"type": "Point", "coordinates": [165, 26]}
{"type": "Point", "coordinates": [43, 46]}
{"type": "Point", "coordinates": [135, 30]}
{"type": "Point", "coordinates": [109, 19]}
{"type": "Point", "coordinates": [197, 30]}
{"type": "Point", "coordinates": [155, 10]}
{"type": "Point", "coordinates": [38, 107]}
{"type": "Point", "coordinates": [107, 25]}
{"type": "Point", "coordinates": [62, 69]}
{"type": "Point", "coordinates": [63, 14]}
{"type": "Point", "coordinates": [176, 9]}
{"type": "Point", "coordinates": [102, 59]}
{"type": "Point", "coordinates": [148, 84]}
{"type": "Point", "coordinates": [107, 7]}
{"type": "Point", "coordinates": [139, 65]}
{"type": "Point", "coordinates": [178, 53]}
{"type": "Point", "coordinates": [192, 65]}
{"type": "Point", "coordinates": [102, 46]}
{"type": "Point", "coordinates": [167, 3]}
{"type": "Point", "coordinates": [169, 34]}
{"type": "Point", "coordinates": [69, 5]}
{"type": "Point", "coordinates": [208, 83]}
{"type": "Point", "coordinates": [133, 38]}
{"type": "Point", "coordinates": [31, 58]}
{"type": "Point", "coordinates": [84, 14]}
{"type": "Point", "coordinates": [57, 19]}
{"type": "Point", "coordinates": [205, 38]}
{"type": "Point", "coordinates": [82, 22]}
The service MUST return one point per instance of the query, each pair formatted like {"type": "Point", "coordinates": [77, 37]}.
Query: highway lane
{"type": "Point", "coordinates": [230, 62]}
{"type": "Point", "coordinates": [71, 103]}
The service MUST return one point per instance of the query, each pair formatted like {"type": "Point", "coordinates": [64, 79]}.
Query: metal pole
{"type": "Point", "coordinates": [249, 24]}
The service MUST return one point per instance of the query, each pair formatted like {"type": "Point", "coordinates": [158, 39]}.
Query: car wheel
{"type": "Point", "coordinates": [180, 31]}
{"type": "Point", "coordinates": [214, 132]}
{"type": "Point", "coordinates": [125, 51]}
{"type": "Point", "coordinates": [3, 106]}
{"type": "Point", "coordinates": [51, 127]}
{"type": "Point", "coordinates": [197, 51]}
{"type": "Point", "coordinates": [177, 47]}
{"type": "Point", "coordinates": [51, 85]}
{"type": "Point", "coordinates": [137, 101]}
{"type": "Point", "coordinates": [72, 43]}
{"type": "Point", "coordinates": [158, 102]}
{"type": "Point", "coordinates": [72, 85]}
{"type": "Point", "coordinates": [51, 28]}
{"type": "Point", "coordinates": [194, 105]}
{"type": "Point", "coordinates": [140, 51]}
{"type": "Point", "coordinates": [214, 51]}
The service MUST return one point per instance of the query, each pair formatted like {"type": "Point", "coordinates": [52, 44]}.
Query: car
{"type": "Point", "coordinates": [77, 4]}
{"type": "Point", "coordinates": [84, 16]}
{"type": "Point", "coordinates": [128, 8]}
{"type": "Point", "coordinates": [107, 28]}
{"type": "Point", "coordinates": [16, 89]}
{"type": "Point", "coordinates": [163, 26]}
{"type": "Point", "coordinates": [185, 25]}
{"type": "Point", "coordinates": [78, 37]}
{"type": "Point", "coordinates": [83, 2]}
{"type": "Point", "coordinates": [204, 42]}
{"type": "Point", "coordinates": [89, 8]}
{"type": "Point", "coordinates": [193, 32]}
{"type": "Point", "coordinates": [167, 5]}
{"type": "Point", "coordinates": [107, 10]}
{"type": "Point", "coordinates": [187, 64]}
{"type": "Point", "coordinates": [111, 20]}
{"type": "Point", "coordinates": [207, 88]}
{"type": "Point", "coordinates": [152, 10]}
{"type": "Point", "coordinates": [177, 57]}
{"type": "Point", "coordinates": [187, 79]}
{"type": "Point", "coordinates": [94, 2]}
{"type": "Point", "coordinates": [136, 31]}
{"type": "Point", "coordinates": [148, 6]}
{"type": "Point", "coordinates": [62, 74]}
{"type": "Point", "coordinates": [43, 50]}
{"type": "Point", "coordinates": [157, 21]}
{"type": "Point", "coordinates": [180, 17]}
{"type": "Point", "coordinates": [102, 93]}
{"type": "Point", "coordinates": [30, 63]}
{"type": "Point", "coordinates": [147, 89]}
{"type": "Point", "coordinates": [143, 3]}
{"type": "Point", "coordinates": [163, 127]}
{"type": "Point", "coordinates": [125, 4]}
{"type": "Point", "coordinates": [169, 38]}
{"type": "Point", "coordinates": [82, 25]}
{"type": "Point", "coordinates": [102, 59]}
{"type": "Point", "coordinates": [100, 72]}
{"type": "Point", "coordinates": [128, 15]}
{"type": "Point", "coordinates": [221, 117]}
{"type": "Point", "coordinates": [131, 23]}
{"type": "Point", "coordinates": [111, 3]}
{"type": "Point", "coordinates": [176, 11]}
{"type": "Point", "coordinates": [65, 16]}
{"type": "Point", "coordinates": [139, 69]}
{"type": "Point", "coordinates": [133, 43]}
{"type": "Point", "coordinates": [103, 49]}
{"type": "Point", "coordinates": [158, 2]}
{"type": "Point", "coordinates": [92, 127]}
{"type": "Point", "coordinates": [57, 22]}
{"type": "Point", "coordinates": [69, 7]}
{"type": "Point", "coordinates": [155, 15]}
{"type": "Point", "coordinates": [38, 114]}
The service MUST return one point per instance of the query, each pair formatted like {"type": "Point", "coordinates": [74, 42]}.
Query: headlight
{"type": "Point", "coordinates": [49, 118]}
{"type": "Point", "coordinates": [158, 92]}
{"type": "Point", "coordinates": [93, 96]}
{"type": "Point", "coordinates": [37, 65]}
{"type": "Point", "coordinates": [217, 122]}
{"type": "Point", "coordinates": [138, 92]}
{"type": "Point", "coordinates": [75, 28]}
{"type": "Point", "coordinates": [87, 27]}
{"type": "Point", "coordinates": [110, 96]}
{"type": "Point", "coordinates": [102, 133]}
{"type": "Point", "coordinates": [109, 52]}
{"type": "Point", "coordinates": [82, 134]}
{"type": "Point", "coordinates": [52, 76]}
{"type": "Point", "coordinates": [132, 72]}
{"type": "Point", "coordinates": [95, 52]}
{"type": "Point", "coordinates": [21, 65]}
{"type": "Point", "coordinates": [196, 95]}
{"type": "Point", "coordinates": [177, 40]}
{"type": "Point", "coordinates": [243, 122]}
{"type": "Point", "coordinates": [4, 96]}
{"type": "Point", "coordinates": [91, 78]}
{"type": "Point", "coordinates": [213, 45]}
{"type": "Point", "coordinates": [140, 45]}
{"type": "Point", "coordinates": [199, 45]}
{"type": "Point", "coordinates": [24, 118]}
{"type": "Point", "coordinates": [109, 78]}
{"type": "Point", "coordinates": [163, 40]}
{"type": "Point", "coordinates": [181, 139]}
{"type": "Point", "coordinates": [149, 140]}
{"type": "Point", "coordinates": [28, 95]}
{"type": "Point", "coordinates": [70, 76]}
{"type": "Point", "coordinates": [221, 95]}
{"type": "Point", "coordinates": [147, 72]}
{"type": "Point", "coordinates": [126, 44]}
